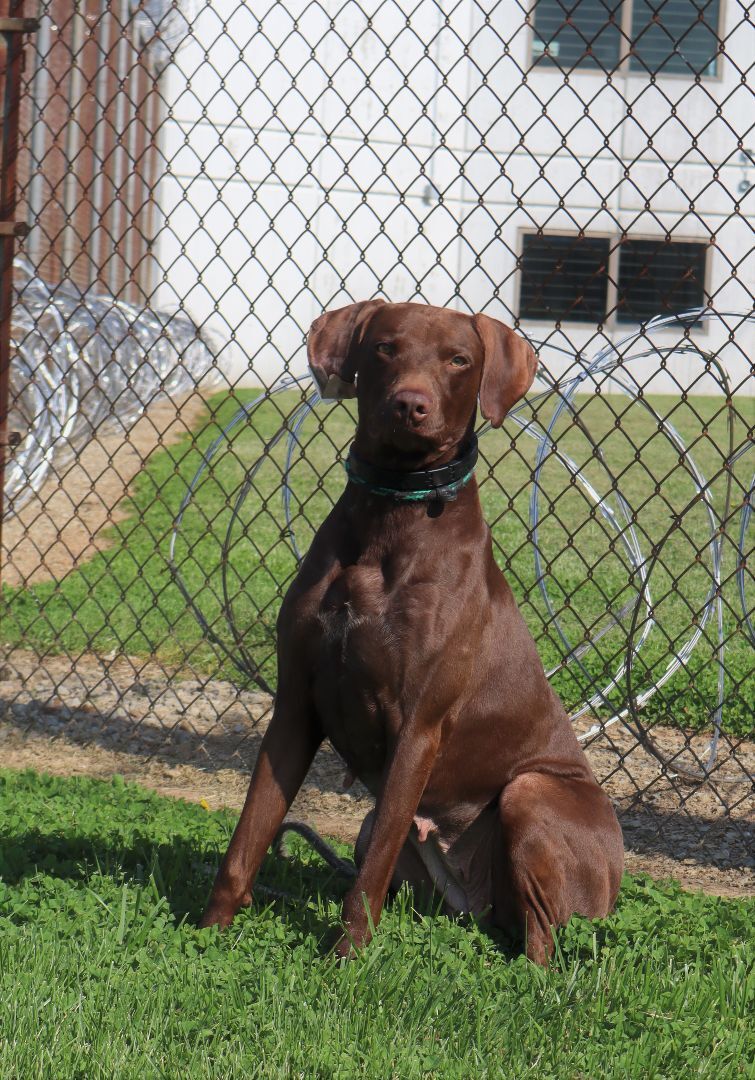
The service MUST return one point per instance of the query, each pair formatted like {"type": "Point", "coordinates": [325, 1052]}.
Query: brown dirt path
{"type": "Point", "coordinates": [197, 739]}
{"type": "Point", "coordinates": [61, 526]}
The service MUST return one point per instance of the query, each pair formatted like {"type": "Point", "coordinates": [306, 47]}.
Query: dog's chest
{"type": "Point", "coordinates": [352, 618]}
{"type": "Point", "coordinates": [356, 676]}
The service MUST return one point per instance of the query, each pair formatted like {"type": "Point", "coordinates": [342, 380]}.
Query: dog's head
{"type": "Point", "coordinates": [417, 372]}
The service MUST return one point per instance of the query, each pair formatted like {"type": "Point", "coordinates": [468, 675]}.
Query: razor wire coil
{"type": "Point", "coordinates": [82, 360]}
{"type": "Point", "coordinates": [614, 360]}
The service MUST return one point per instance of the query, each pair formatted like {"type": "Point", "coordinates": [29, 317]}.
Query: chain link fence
{"type": "Point", "coordinates": [196, 182]}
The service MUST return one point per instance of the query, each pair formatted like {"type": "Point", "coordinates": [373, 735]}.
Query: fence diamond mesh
{"type": "Point", "coordinates": [195, 182]}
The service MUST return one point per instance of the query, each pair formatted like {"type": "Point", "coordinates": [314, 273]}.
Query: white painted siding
{"type": "Point", "coordinates": [278, 201]}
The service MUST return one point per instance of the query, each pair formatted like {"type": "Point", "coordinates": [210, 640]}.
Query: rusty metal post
{"type": "Point", "coordinates": [12, 28]}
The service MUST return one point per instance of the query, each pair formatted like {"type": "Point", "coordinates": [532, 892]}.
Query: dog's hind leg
{"type": "Point", "coordinates": [561, 853]}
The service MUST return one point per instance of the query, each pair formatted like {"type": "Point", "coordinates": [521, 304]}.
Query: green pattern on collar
{"type": "Point", "coordinates": [448, 493]}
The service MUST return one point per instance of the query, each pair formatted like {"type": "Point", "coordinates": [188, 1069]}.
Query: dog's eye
{"type": "Point", "coordinates": [385, 348]}
{"type": "Point", "coordinates": [460, 361]}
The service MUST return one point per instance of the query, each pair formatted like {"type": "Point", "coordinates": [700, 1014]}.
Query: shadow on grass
{"type": "Point", "coordinates": [183, 873]}
{"type": "Point", "coordinates": [297, 889]}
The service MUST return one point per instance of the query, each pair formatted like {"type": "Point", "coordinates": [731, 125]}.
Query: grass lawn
{"type": "Point", "coordinates": [103, 974]}
{"type": "Point", "coordinates": [124, 598]}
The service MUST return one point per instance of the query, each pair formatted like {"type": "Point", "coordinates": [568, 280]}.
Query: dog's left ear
{"type": "Point", "coordinates": [508, 370]}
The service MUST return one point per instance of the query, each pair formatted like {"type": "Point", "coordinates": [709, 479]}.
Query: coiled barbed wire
{"type": "Point", "coordinates": [83, 363]}
{"type": "Point", "coordinates": [637, 617]}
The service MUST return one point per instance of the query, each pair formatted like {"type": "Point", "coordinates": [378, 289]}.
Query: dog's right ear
{"type": "Point", "coordinates": [331, 347]}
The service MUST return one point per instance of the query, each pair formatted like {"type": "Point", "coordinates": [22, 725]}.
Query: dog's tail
{"type": "Point", "coordinates": [345, 867]}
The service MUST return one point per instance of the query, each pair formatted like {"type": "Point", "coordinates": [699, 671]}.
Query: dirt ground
{"type": "Point", "coordinates": [61, 524]}
{"type": "Point", "coordinates": [197, 739]}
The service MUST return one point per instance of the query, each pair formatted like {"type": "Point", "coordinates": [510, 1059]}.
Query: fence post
{"type": "Point", "coordinates": [12, 28]}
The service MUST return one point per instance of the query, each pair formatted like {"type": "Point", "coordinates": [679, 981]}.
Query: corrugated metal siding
{"type": "Point", "coordinates": [88, 160]}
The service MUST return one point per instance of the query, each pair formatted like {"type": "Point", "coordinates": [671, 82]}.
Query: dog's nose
{"type": "Point", "coordinates": [411, 406]}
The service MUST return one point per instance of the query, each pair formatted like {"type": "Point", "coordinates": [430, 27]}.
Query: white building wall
{"type": "Point", "coordinates": [307, 164]}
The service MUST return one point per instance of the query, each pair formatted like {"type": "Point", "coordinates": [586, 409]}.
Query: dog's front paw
{"type": "Point", "coordinates": [350, 942]}
{"type": "Point", "coordinates": [217, 916]}
{"type": "Point", "coordinates": [344, 948]}
{"type": "Point", "coordinates": [221, 913]}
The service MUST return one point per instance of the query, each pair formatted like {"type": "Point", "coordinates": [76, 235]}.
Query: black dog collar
{"type": "Point", "coordinates": [443, 482]}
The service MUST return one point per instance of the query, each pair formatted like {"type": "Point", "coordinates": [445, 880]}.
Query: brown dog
{"type": "Point", "coordinates": [401, 642]}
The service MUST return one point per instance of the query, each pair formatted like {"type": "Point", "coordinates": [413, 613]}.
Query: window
{"type": "Point", "coordinates": [656, 278]}
{"type": "Point", "coordinates": [674, 37]}
{"type": "Point", "coordinates": [580, 32]}
{"type": "Point", "coordinates": [564, 278]}
{"type": "Point", "coordinates": [670, 37]}
{"type": "Point", "coordinates": [591, 279]}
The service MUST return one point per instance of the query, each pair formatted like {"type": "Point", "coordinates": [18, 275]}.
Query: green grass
{"type": "Point", "coordinates": [103, 974]}
{"type": "Point", "coordinates": [124, 598]}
